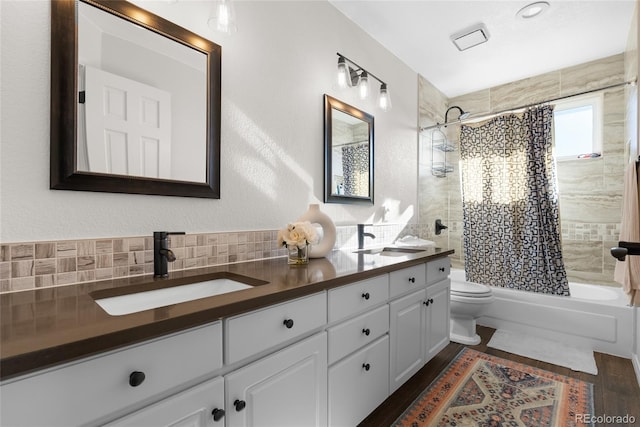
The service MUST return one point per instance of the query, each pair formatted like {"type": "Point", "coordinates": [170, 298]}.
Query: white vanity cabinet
{"type": "Point", "coordinates": [358, 350]}
{"type": "Point", "coordinates": [199, 406]}
{"type": "Point", "coordinates": [408, 336]}
{"type": "Point", "coordinates": [99, 388]}
{"type": "Point", "coordinates": [285, 389]}
{"type": "Point", "coordinates": [326, 359]}
{"type": "Point", "coordinates": [437, 317]}
{"type": "Point", "coordinates": [419, 320]}
{"type": "Point", "coordinates": [359, 383]}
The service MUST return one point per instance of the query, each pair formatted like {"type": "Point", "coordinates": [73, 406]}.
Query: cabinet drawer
{"type": "Point", "coordinates": [358, 384]}
{"type": "Point", "coordinates": [438, 269]}
{"type": "Point", "coordinates": [353, 334]}
{"type": "Point", "coordinates": [357, 297]}
{"type": "Point", "coordinates": [251, 333]}
{"type": "Point", "coordinates": [92, 389]}
{"type": "Point", "coordinates": [407, 279]}
{"type": "Point", "coordinates": [193, 407]}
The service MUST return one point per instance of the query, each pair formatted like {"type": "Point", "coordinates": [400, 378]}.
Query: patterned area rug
{"type": "Point", "coordinates": [477, 389]}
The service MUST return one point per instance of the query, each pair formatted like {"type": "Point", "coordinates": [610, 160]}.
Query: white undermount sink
{"type": "Point", "coordinates": [390, 251]}
{"type": "Point", "coordinates": [146, 300]}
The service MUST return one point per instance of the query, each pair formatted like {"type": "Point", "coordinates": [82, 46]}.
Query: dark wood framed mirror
{"type": "Point", "coordinates": [156, 89]}
{"type": "Point", "coordinates": [348, 153]}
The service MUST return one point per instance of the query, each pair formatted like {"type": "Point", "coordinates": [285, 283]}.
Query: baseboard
{"type": "Point", "coordinates": [635, 358]}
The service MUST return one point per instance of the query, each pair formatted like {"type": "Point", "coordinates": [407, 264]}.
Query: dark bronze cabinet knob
{"type": "Point", "coordinates": [366, 295]}
{"type": "Point", "coordinates": [239, 405]}
{"type": "Point", "coordinates": [218, 414]}
{"type": "Point", "coordinates": [288, 323]}
{"type": "Point", "coordinates": [136, 378]}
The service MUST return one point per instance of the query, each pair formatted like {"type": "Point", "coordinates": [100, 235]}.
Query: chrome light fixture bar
{"type": "Point", "coordinates": [352, 74]}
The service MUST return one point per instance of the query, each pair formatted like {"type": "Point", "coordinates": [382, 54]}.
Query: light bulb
{"type": "Point", "coordinates": [384, 100]}
{"type": "Point", "coordinates": [363, 85]}
{"type": "Point", "coordinates": [343, 73]}
{"type": "Point", "coordinates": [223, 17]}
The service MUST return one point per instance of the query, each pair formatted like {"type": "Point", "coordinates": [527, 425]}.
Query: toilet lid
{"type": "Point", "coordinates": [469, 289]}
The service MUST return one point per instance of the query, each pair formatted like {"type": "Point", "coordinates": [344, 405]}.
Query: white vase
{"type": "Point", "coordinates": [315, 216]}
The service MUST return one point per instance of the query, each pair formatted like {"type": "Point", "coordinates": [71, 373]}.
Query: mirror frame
{"type": "Point", "coordinates": [331, 104]}
{"type": "Point", "coordinates": [64, 174]}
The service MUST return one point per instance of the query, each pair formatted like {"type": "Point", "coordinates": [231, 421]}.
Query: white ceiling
{"type": "Point", "coordinates": [418, 32]}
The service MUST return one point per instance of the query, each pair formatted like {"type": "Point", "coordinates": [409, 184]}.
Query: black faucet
{"type": "Point", "coordinates": [362, 234]}
{"type": "Point", "coordinates": [162, 255]}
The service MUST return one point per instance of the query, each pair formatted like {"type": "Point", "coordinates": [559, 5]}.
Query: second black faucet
{"type": "Point", "coordinates": [362, 235]}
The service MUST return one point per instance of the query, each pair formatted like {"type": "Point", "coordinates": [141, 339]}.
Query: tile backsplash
{"type": "Point", "coordinates": [28, 265]}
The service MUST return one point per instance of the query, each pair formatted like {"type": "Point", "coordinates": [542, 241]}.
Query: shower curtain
{"type": "Point", "coordinates": [355, 168]}
{"type": "Point", "coordinates": [510, 203]}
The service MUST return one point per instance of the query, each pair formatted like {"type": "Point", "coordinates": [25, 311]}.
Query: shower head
{"type": "Point", "coordinates": [462, 115]}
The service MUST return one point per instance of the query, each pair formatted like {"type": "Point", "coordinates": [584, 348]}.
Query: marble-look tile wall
{"type": "Point", "coordinates": [28, 265]}
{"type": "Point", "coordinates": [435, 193]}
{"type": "Point", "coordinates": [590, 189]}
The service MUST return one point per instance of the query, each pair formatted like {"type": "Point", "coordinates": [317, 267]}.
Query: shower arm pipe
{"type": "Point", "coordinates": [485, 116]}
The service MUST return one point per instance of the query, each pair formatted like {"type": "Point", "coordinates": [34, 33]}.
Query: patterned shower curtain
{"type": "Point", "coordinates": [510, 203]}
{"type": "Point", "coordinates": [355, 169]}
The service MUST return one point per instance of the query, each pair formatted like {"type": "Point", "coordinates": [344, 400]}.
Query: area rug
{"type": "Point", "coordinates": [477, 389]}
{"type": "Point", "coordinates": [577, 359]}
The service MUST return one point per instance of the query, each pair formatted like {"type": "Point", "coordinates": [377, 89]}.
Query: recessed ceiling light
{"type": "Point", "coordinates": [532, 10]}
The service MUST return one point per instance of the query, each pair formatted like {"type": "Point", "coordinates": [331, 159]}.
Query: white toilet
{"type": "Point", "coordinates": [468, 302]}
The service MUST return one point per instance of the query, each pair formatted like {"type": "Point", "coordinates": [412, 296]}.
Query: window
{"type": "Point", "coordinates": [578, 127]}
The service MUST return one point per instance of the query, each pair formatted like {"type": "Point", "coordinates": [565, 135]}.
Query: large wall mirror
{"type": "Point", "coordinates": [348, 153]}
{"type": "Point", "coordinates": [135, 102]}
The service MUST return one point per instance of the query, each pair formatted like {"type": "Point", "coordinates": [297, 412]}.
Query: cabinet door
{"type": "Point", "coordinates": [287, 388]}
{"type": "Point", "coordinates": [437, 315]}
{"type": "Point", "coordinates": [199, 406]}
{"type": "Point", "coordinates": [358, 384]}
{"type": "Point", "coordinates": [407, 337]}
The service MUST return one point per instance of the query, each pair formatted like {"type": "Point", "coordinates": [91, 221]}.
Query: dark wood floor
{"type": "Point", "coordinates": [615, 387]}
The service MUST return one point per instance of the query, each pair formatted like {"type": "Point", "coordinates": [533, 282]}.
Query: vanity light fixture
{"type": "Point", "coordinates": [223, 16]}
{"type": "Point", "coordinates": [532, 10]}
{"type": "Point", "coordinates": [351, 74]}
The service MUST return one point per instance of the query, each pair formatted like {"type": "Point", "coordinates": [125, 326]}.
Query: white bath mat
{"type": "Point", "coordinates": [577, 359]}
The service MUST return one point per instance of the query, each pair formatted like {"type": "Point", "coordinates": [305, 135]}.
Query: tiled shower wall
{"type": "Point", "coordinates": [28, 265]}
{"type": "Point", "coordinates": [590, 189]}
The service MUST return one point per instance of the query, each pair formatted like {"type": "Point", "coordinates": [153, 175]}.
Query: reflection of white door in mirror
{"type": "Point", "coordinates": [109, 43]}
{"type": "Point", "coordinates": [128, 126]}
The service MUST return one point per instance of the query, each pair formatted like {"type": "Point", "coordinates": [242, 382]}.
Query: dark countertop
{"type": "Point", "coordinates": [44, 327]}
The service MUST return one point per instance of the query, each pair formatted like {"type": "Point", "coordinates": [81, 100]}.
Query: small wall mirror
{"type": "Point", "coordinates": [135, 102]}
{"type": "Point", "coordinates": [348, 153]}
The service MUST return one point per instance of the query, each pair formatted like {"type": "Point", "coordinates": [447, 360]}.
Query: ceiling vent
{"type": "Point", "coordinates": [470, 37]}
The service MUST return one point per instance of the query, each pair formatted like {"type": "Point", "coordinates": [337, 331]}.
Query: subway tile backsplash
{"type": "Point", "coordinates": [45, 264]}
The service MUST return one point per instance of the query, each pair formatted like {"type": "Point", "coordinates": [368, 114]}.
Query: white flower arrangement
{"type": "Point", "coordinates": [298, 234]}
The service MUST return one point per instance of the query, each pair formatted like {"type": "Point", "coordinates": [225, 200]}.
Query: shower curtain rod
{"type": "Point", "coordinates": [484, 116]}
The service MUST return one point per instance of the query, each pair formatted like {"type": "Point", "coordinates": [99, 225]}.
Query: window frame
{"type": "Point", "coordinates": [596, 102]}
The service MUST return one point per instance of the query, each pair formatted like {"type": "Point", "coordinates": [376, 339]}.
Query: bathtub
{"type": "Point", "coordinates": [594, 316]}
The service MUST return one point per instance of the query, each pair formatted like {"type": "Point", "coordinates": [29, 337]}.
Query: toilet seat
{"type": "Point", "coordinates": [470, 290]}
